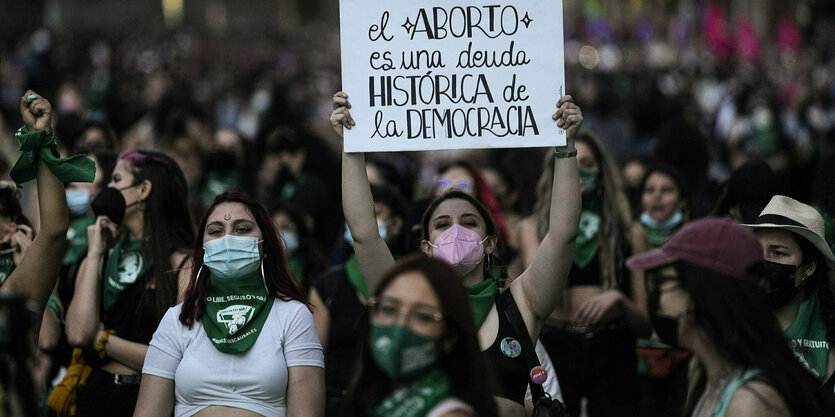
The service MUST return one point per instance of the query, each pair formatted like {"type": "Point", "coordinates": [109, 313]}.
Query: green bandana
{"type": "Point", "coordinates": [124, 266]}
{"type": "Point", "coordinates": [483, 295]}
{"type": "Point", "coordinates": [236, 310]}
{"type": "Point", "coordinates": [418, 398]}
{"type": "Point", "coordinates": [77, 239]}
{"type": "Point", "coordinates": [587, 242]}
{"type": "Point", "coordinates": [218, 182]}
{"type": "Point", "coordinates": [6, 266]}
{"type": "Point", "coordinates": [808, 336]}
{"type": "Point", "coordinates": [42, 144]}
{"type": "Point", "coordinates": [352, 270]}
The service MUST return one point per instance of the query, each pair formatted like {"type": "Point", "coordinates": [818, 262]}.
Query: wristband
{"type": "Point", "coordinates": [565, 154]}
{"type": "Point", "coordinates": [103, 341]}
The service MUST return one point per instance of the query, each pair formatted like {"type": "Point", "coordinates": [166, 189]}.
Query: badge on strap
{"type": "Point", "coordinates": [511, 347]}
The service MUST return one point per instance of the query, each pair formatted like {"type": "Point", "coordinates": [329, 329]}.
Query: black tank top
{"type": "Point", "coordinates": [511, 373]}
{"type": "Point", "coordinates": [345, 310]}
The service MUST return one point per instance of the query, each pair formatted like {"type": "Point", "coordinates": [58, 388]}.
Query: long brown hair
{"type": "Point", "coordinates": [614, 219]}
{"type": "Point", "coordinates": [280, 283]}
{"type": "Point", "coordinates": [167, 224]}
{"type": "Point", "coordinates": [463, 362]}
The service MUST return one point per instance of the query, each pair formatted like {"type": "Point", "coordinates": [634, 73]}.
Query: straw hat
{"type": "Point", "coordinates": [788, 214]}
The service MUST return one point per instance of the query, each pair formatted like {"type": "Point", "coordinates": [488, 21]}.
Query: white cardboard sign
{"type": "Point", "coordinates": [452, 74]}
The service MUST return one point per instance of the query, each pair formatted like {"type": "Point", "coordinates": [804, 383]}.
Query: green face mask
{"type": "Point", "coordinates": [401, 353]}
{"type": "Point", "coordinates": [590, 179]}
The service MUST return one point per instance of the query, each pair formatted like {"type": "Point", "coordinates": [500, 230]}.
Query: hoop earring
{"type": "Point", "coordinates": [264, 278]}
{"type": "Point", "coordinates": [197, 278]}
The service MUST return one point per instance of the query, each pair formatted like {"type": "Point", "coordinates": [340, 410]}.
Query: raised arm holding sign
{"type": "Point", "coordinates": [536, 292]}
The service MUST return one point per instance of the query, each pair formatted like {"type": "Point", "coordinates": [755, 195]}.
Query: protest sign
{"type": "Point", "coordinates": [429, 74]}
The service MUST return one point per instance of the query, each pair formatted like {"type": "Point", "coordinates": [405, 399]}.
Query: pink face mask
{"type": "Point", "coordinates": [460, 247]}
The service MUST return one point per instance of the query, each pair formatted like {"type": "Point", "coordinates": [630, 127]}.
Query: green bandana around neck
{"type": "Point", "coordinates": [483, 294]}
{"type": "Point", "coordinates": [658, 237]}
{"type": "Point", "coordinates": [41, 144]}
{"type": "Point", "coordinates": [236, 310]}
{"type": "Point", "coordinates": [416, 399]}
{"type": "Point", "coordinates": [807, 334]}
{"type": "Point", "coordinates": [587, 244]}
{"type": "Point", "coordinates": [352, 270]}
{"type": "Point", "coordinates": [124, 266]}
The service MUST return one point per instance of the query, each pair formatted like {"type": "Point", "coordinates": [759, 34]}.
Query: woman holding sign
{"type": "Point", "coordinates": [458, 229]}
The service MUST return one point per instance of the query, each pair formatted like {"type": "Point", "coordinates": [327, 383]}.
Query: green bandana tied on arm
{"type": "Point", "coordinates": [418, 398]}
{"type": "Point", "coordinates": [41, 144]}
{"type": "Point", "coordinates": [236, 310]}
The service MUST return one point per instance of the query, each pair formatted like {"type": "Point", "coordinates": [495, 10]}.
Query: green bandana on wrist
{"type": "Point", "coordinates": [807, 334]}
{"type": "Point", "coordinates": [418, 398]}
{"type": "Point", "coordinates": [42, 144]}
{"type": "Point", "coordinates": [483, 295]}
{"type": "Point", "coordinates": [236, 310]}
{"type": "Point", "coordinates": [124, 266]}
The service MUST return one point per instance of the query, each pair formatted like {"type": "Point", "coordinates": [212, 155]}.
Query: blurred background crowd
{"type": "Point", "coordinates": [738, 96]}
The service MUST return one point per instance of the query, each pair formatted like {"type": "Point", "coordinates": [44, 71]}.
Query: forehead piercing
{"type": "Point", "coordinates": [227, 216]}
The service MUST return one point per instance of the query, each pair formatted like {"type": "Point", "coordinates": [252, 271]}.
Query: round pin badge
{"type": "Point", "coordinates": [511, 347]}
{"type": "Point", "coordinates": [539, 375]}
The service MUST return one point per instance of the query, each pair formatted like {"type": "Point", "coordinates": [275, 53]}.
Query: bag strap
{"type": "Point", "coordinates": [511, 311]}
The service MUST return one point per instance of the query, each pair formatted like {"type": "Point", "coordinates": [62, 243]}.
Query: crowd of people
{"type": "Point", "coordinates": [211, 250]}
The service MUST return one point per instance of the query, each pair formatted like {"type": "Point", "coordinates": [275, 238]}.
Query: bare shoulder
{"type": "Point", "coordinates": [757, 398]}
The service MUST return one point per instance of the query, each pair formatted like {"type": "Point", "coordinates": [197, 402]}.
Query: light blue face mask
{"type": "Point", "coordinates": [232, 256]}
{"type": "Point", "coordinates": [291, 242]}
{"type": "Point", "coordinates": [381, 229]}
{"type": "Point", "coordinates": [78, 201]}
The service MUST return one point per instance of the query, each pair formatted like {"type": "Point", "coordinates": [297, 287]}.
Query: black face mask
{"type": "Point", "coordinates": [780, 280]}
{"type": "Point", "coordinates": [665, 327]}
{"type": "Point", "coordinates": [111, 203]}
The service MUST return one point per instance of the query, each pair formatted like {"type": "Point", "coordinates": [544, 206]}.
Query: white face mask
{"type": "Point", "coordinates": [232, 256]}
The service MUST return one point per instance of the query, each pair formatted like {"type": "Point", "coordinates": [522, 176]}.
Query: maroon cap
{"type": "Point", "coordinates": [720, 245]}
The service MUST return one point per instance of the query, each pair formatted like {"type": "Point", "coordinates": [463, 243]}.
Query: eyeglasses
{"type": "Point", "coordinates": [387, 311]}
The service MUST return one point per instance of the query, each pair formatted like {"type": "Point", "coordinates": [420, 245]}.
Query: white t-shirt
{"type": "Point", "coordinates": [255, 380]}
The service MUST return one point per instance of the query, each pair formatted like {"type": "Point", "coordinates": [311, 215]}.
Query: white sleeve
{"type": "Point", "coordinates": [166, 348]}
{"type": "Point", "coordinates": [551, 385]}
{"type": "Point", "coordinates": [301, 342]}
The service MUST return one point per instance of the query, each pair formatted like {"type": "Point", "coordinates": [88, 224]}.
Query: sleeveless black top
{"type": "Point", "coordinates": [511, 373]}
{"type": "Point", "coordinates": [345, 311]}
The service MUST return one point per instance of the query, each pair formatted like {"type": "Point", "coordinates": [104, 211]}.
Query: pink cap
{"type": "Point", "coordinates": [720, 245]}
